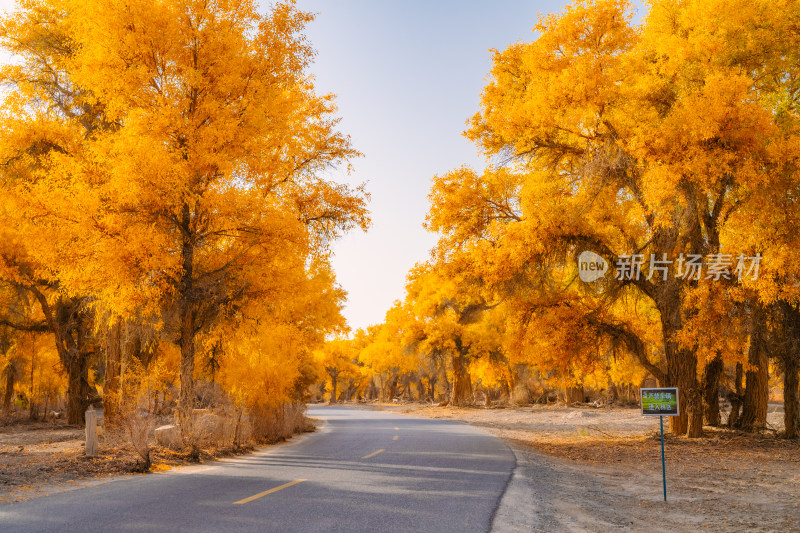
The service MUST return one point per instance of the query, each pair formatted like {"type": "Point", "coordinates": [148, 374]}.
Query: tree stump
{"type": "Point", "coordinates": [91, 433]}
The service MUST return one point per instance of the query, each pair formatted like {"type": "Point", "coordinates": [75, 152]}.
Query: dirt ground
{"type": "Point", "coordinates": [599, 469]}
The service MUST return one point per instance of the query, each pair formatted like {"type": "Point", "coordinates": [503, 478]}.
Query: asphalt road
{"type": "Point", "coordinates": [364, 471]}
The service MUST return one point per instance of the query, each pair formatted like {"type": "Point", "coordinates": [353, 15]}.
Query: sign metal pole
{"type": "Point", "coordinates": [663, 460]}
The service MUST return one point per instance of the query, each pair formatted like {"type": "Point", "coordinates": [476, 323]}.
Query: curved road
{"type": "Point", "coordinates": [364, 471]}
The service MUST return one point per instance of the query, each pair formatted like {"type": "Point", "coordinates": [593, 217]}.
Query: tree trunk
{"type": "Point", "coordinates": [791, 395]}
{"type": "Point", "coordinates": [462, 382]}
{"type": "Point", "coordinates": [402, 388]}
{"type": "Point", "coordinates": [10, 374]}
{"type": "Point", "coordinates": [77, 368]}
{"type": "Point", "coordinates": [372, 391]}
{"type": "Point", "coordinates": [735, 397]}
{"type": "Point", "coordinates": [409, 395]}
{"type": "Point", "coordinates": [67, 324]}
{"type": "Point", "coordinates": [113, 370]}
{"type": "Point", "coordinates": [391, 388]}
{"type": "Point", "coordinates": [612, 394]}
{"type": "Point", "coordinates": [681, 365]}
{"type": "Point", "coordinates": [789, 353]}
{"type": "Point", "coordinates": [77, 389]}
{"type": "Point", "coordinates": [506, 391]}
{"type": "Point", "coordinates": [448, 386]}
{"type": "Point", "coordinates": [713, 372]}
{"type": "Point", "coordinates": [694, 408]}
{"type": "Point", "coordinates": [421, 389]}
{"type": "Point", "coordinates": [32, 411]}
{"type": "Point", "coordinates": [574, 395]}
{"type": "Point", "coordinates": [186, 397]}
{"type": "Point", "coordinates": [756, 393]}
{"type": "Point", "coordinates": [351, 390]}
{"type": "Point", "coordinates": [334, 385]}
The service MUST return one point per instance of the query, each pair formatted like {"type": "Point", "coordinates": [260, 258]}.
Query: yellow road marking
{"type": "Point", "coordinates": [395, 437]}
{"type": "Point", "coordinates": [270, 491]}
{"type": "Point", "coordinates": [373, 454]}
{"type": "Point", "coordinates": [397, 429]}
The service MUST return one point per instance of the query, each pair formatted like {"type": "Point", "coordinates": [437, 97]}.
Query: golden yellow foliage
{"type": "Point", "coordinates": [167, 161]}
{"type": "Point", "coordinates": [671, 138]}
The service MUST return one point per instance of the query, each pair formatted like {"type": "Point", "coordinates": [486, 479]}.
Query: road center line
{"type": "Point", "coordinates": [373, 454]}
{"type": "Point", "coordinates": [270, 491]}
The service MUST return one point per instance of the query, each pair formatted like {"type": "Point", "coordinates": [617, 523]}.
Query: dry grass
{"type": "Point", "coordinates": [38, 458]}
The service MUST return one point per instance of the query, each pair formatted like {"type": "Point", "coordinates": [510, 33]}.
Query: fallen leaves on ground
{"type": "Point", "coordinates": [38, 458]}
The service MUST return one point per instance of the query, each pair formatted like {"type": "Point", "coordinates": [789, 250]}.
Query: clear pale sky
{"type": "Point", "coordinates": [407, 75]}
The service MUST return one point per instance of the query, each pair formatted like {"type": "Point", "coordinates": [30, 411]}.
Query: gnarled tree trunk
{"type": "Point", "coordinates": [77, 388]}
{"type": "Point", "coordinates": [713, 372]}
{"type": "Point", "coordinates": [10, 373]}
{"type": "Point", "coordinates": [791, 397]}
{"type": "Point", "coordinates": [756, 392]}
{"type": "Point", "coordinates": [462, 382]}
{"type": "Point", "coordinates": [789, 354]}
{"type": "Point", "coordinates": [681, 365]}
{"type": "Point", "coordinates": [735, 397]}
{"type": "Point", "coordinates": [333, 372]}
{"type": "Point", "coordinates": [65, 319]}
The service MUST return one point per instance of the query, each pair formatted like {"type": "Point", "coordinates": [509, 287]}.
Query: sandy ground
{"type": "Point", "coordinates": [586, 469]}
{"type": "Point", "coordinates": [41, 458]}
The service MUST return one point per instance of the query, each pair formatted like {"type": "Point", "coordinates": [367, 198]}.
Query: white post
{"type": "Point", "coordinates": [91, 432]}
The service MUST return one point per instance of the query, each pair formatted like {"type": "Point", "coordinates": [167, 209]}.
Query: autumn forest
{"type": "Point", "coordinates": [168, 221]}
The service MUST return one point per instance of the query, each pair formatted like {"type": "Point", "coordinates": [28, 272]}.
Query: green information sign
{"type": "Point", "coordinates": [660, 402]}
